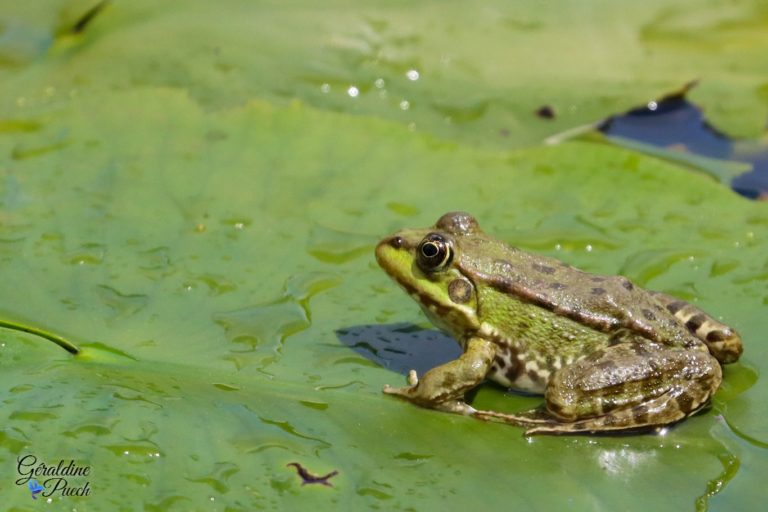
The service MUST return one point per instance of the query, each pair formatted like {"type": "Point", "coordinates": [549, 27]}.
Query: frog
{"type": "Point", "coordinates": [607, 355]}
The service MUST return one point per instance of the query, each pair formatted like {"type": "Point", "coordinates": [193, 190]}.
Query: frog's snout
{"type": "Point", "coordinates": [385, 250]}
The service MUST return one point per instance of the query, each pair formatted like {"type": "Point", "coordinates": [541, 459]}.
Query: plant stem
{"type": "Point", "coordinates": [62, 342]}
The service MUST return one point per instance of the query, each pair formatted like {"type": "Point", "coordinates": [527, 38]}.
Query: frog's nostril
{"type": "Point", "coordinates": [396, 242]}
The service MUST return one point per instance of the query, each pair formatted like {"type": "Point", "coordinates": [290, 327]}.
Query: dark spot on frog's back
{"type": "Point", "coordinates": [648, 314]}
{"type": "Point", "coordinates": [598, 291]}
{"type": "Point", "coordinates": [626, 283]}
{"type": "Point", "coordinates": [674, 307]}
{"type": "Point", "coordinates": [544, 269]}
{"type": "Point", "coordinates": [558, 286]}
{"type": "Point", "coordinates": [598, 279]}
{"type": "Point", "coordinates": [716, 335]}
{"type": "Point", "coordinates": [503, 266]}
{"type": "Point", "coordinates": [695, 322]}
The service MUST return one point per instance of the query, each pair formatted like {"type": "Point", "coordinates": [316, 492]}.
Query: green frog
{"type": "Point", "coordinates": [606, 354]}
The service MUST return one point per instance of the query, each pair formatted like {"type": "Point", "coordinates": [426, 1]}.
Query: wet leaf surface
{"type": "Point", "coordinates": [208, 242]}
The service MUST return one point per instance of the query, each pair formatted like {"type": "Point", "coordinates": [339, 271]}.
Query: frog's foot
{"type": "Point", "coordinates": [404, 391]}
{"type": "Point", "coordinates": [443, 388]}
{"type": "Point", "coordinates": [413, 394]}
{"type": "Point", "coordinates": [538, 421]}
{"type": "Point", "coordinates": [529, 419]}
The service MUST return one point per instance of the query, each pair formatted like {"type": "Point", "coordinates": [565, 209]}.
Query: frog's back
{"type": "Point", "coordinates": [601, 303]}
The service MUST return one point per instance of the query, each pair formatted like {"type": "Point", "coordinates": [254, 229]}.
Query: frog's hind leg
{"type": "Point", "coordinates": [637, 418]}
{"type": "Point", "coordinates": [538, 421]}
{"type": "Point", "coordinates": [723, 342]}
{"type": "Point", "coordinates": [634, 385]}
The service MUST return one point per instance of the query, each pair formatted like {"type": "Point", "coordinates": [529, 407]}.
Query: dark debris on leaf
{"type": "Point", "coordinates": [309, 478]}
{"type": "Point", "coordinates": [546, 112]}
{"type": "Point", "coordinates": [88, 17]}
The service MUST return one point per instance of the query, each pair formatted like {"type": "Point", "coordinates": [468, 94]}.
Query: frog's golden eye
{"type": "Point", "coordinates": [434, 253]}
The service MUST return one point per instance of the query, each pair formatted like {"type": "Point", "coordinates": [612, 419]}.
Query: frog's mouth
{"type": "Point", "coordinates": [396, 257]}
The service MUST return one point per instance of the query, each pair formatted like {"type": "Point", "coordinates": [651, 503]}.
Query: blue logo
{"type": "Point", "coordinates": [35, 488]}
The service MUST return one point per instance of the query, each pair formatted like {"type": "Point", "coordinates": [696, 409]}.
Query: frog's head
{"type": "Point", "coordinates": [424, 262]}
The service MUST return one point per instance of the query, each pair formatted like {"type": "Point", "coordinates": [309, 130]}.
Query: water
{"type": "Point", "coordinates": [677, 124]}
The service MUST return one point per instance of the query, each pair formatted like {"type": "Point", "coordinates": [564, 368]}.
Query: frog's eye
{"type": "Point", "coordinates": [434, 253]}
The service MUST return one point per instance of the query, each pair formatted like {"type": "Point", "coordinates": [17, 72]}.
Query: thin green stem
{"type": "Point", "coordinates": [62, 342]}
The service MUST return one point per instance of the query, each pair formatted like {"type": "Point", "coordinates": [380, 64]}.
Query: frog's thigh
{"type": "Point", "coordinates": [633, 385]}
{"type": "Point", "coordinates": [444, 387]}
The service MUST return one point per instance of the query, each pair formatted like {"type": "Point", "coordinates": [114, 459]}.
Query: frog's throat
{"type": "Point", "coordinates": [432, 297]}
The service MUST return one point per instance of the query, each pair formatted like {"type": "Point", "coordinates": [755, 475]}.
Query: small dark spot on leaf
{"type": "Point", "coordinates": [546, 112]}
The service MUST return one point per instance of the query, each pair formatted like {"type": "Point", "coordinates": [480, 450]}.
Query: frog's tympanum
{"type": "Point", "coordinates": [606, 354]}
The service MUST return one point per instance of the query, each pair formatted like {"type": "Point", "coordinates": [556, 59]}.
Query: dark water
{"type": "Point", "coordinates": [675, 123]}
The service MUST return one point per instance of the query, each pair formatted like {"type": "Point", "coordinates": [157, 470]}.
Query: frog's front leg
{"type": "Point", "coordinates": [444, 387]}
{"type": "Point", "coordinates": [630, 386]}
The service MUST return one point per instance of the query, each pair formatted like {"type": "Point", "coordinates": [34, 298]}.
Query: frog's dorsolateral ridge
{"type": "Point", "coordinates": [606, 354]}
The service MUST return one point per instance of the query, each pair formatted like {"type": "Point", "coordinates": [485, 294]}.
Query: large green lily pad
{"type": "Point", "coordinates": [213, 257]}
{"type": "Point", "coordinates": [474, 74]}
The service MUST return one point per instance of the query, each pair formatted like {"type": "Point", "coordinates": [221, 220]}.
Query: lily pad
{"type": "Point", "coordinates": [479, 76]}
{"type": "Point", "coordinates": [209, 278]}
{"type": "Point", "coordinates": [208, 244]}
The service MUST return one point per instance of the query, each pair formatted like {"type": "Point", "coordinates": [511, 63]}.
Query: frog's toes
{"type": "Point", "coordinates": [413, 382]}
{"type": "Point", "coordinates": [405, 391]}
